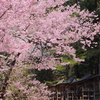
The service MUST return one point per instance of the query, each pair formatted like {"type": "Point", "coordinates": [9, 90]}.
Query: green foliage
{"type": "Point", "coordinates": [59, 72]}
{"type": "Point", "coordinates": [52, 82]}
{"type": "Point", "coordinates": [52, 51]}
{"type": "Point", "coordinates": [51, 9]}
{"type": "Point", "coordinates": [72, 62]}
{"type": "Point", "coordinates": [75, 15]}
{"type": "Point", "coordinates": [60, 67]}
{"type": "Point", "coordinates": [44, 75]}
{"type": "Point", "coordinates": [91, 5]}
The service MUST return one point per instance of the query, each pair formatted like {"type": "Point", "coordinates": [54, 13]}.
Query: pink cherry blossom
{"type": "Point", "coordinates": [29, 31]}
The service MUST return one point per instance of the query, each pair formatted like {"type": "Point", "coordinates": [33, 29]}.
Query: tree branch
{"type": "Point", "coordinates": [5, 11]}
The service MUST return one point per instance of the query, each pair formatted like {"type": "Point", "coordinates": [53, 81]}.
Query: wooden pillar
{"type": "Point", "coordinates": [67, 95]}
{"type": "Point", "coordinates": [94, 88]}
{"type": "Point", "coordinates": [83, 91]}
{"type": "Point", "coordinates": [72, 95]}
{"type": "Point", "coordinates": [57, 94]}
{"type": "Point", "coordinates": [88, 94]}
{"type": "Point", "coordinates": [62, 92]}
{"type": "Point", "coordinates": [99, 88]}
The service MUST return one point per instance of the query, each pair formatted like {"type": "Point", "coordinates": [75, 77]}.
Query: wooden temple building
{"type": "Point", "coordinates": [87, 88]}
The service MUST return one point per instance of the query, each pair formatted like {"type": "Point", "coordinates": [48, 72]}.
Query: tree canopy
{"type": "Point", "coordinates": [33, 35]}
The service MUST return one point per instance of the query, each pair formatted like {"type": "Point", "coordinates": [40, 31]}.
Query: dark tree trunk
{"type": "Point", "coordinates": [5, 83]}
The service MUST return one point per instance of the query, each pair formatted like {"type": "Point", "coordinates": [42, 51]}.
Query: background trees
{"type": "Point", "coordinates": [92, 52]}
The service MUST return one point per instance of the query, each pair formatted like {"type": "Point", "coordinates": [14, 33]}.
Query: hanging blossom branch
{"type": "Point", "coordinates": [5, 11]}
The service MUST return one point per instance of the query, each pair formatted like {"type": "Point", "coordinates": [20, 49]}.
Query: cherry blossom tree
{"type": "Point", "coordinates": [29, 31]}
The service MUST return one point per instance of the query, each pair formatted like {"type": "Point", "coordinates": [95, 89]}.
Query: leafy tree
{"type": "Point", "coordinates": [44, 75]}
